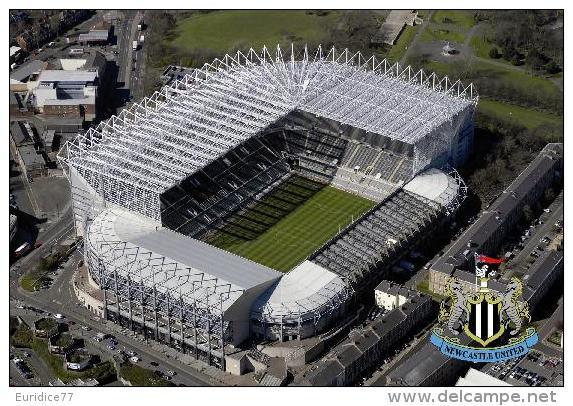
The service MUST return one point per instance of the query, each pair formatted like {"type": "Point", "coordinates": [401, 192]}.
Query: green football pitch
{"type": "Point", "coordinates": [290, 223]}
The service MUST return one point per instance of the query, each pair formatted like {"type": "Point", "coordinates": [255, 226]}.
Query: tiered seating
{"type": "Point", "coordinates": [376, 238]}
{"type": "Point", "coordinates": [223, 187]}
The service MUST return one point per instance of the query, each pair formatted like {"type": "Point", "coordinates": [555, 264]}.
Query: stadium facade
{"type": "Point", "coordinates": [151, 184]}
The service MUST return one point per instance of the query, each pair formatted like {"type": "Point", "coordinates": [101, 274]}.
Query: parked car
{"type": "Point", "coordinates": [58, 316]}
{"type": "Point", "coordinates": [155, 364]}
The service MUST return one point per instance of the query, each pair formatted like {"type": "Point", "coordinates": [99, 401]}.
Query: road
{"type": "Point", "coordinates": [537, 233]}
{"type": "Point", "coordinates": [49, 237]}
{"type": "Point", "coordinates": [60, 298]}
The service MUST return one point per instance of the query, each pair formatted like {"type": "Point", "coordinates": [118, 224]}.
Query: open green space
{"type": "Point", "coordinates": [442, 34]}
{"type": "Point", "coordinates": [399, 48]}
{"type": "Point", "coordinates": [223, 30]}
{"type": "Point", "coordinates": [526, 117]}
{"type": "Point", "coordinates": [516, 77]}
{"type": "Point", "coordinates": [460, 18]}
{"type": "Point", "coordinates": [139, 376]}
{"type": "Point", "coordinates": [290, 223]}
{"type": "Point", "coordinates": [448, 25]}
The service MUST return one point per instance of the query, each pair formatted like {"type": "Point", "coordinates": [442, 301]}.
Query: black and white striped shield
{"type": "Point", "coordinates": [484, 323]}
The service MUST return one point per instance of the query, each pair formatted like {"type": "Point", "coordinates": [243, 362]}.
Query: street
{"type": "Point", "coordinates": [60, 298]}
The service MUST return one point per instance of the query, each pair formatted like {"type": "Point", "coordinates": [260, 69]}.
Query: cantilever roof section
{"type": "Point", "coordinates": [194, 121]}
{"type": "Point", "coordinates": [198, 255]}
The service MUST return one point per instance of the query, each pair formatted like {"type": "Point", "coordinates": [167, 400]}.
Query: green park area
{"type": "Point", "coordinates": [223, 30]}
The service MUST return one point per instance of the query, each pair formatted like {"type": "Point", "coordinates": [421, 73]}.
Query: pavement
{"type": "Point", "coordinates": [60, 298]}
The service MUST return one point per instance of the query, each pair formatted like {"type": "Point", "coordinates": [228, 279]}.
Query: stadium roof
{"type": "Point", "coordinates": [304, 291]}
{"type": "Point", "coordinates": [162, 140]}
{"type": "Point", "coordinates": [433, 184]}
{"type": "Point", "coordinates": [135, 244]}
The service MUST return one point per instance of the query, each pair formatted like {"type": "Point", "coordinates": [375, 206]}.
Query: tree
{"type": "Point", "coordinates": [535, 59]}
{"type": "Point", "coordinates": [552, 68]}
{"type": "Point", "coordinates": [494, 53]}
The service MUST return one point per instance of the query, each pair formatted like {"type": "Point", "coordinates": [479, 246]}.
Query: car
{"type": "Point", "coordinates": [58, 316]}
{"type": "Point", "coordinates": [135, 359]}
{"type": "Point", "coordinates": [131, 353]}
{"type": "Point", "coordinates": [547, 210]}
{"type": "Point", "coordinates": [111, 347]}
{"type": "Point", "coordinates": [86, 328]}
{"type": "Point", "coordinates": [171, 373]}
{"type": "Point", "coordinates": [153, 363]}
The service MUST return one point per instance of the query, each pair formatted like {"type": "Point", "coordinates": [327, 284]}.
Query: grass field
{"type": "Point", "coordinates": [461, 18]}
{"type": "Point", "coordinates": [516, 78]}
{"type": "Point", "coordinates": [223, 30]}
{"type": "Point", "coordinates": [312, 214]}
{"type": "Point", "coordinates": [448, 25]}
{"type": "Point", "coordinates": [399, 48]}
{"type": "Point", "coordinates": [527, 117]}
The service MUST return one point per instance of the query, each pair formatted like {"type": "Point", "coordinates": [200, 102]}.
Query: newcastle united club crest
{"type": "Point", "coordinates": [494, 322]}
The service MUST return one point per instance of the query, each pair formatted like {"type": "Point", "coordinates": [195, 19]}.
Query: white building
{"type": "Point", "coordinates": [389, 295]}
{"type": "Point", "coordinates": [477, 378]}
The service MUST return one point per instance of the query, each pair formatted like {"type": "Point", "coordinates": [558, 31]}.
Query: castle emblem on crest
{"type": "Point", "coordinates": [485, 316]}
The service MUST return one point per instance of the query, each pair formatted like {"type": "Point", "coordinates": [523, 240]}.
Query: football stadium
{"type": "Point", "coordinates": [255, 197]}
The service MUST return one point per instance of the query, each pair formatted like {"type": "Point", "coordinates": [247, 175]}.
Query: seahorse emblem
{"type": "Point", "coordinates": [453, 315]}
{"type": "Point", "coordinates": [514, 310]}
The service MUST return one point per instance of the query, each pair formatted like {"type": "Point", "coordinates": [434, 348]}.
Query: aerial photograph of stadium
{"type": "Point", "coordinates": [287, 198]}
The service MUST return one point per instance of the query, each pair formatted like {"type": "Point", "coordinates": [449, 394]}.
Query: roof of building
{"type": "Point", "coordinates": [361, 340]}
{"type": "Point", "coordinates": [30, 157]}
{"type": "Point", "coordinates": [540, 270]}
{"type": "Point", "coordinates": [94, 35]}
{"type": "Point", "coordinates": [325, 373]}
{"type": "Point", "coordinates": [306, 289]}
{"type": "Point", "coordinates": [26, 70]}
{"type": "Point", "coordinates": [436, 185]}
{"type": "Point", "coordinates": [70, 102]}
{"type": "Point", "coordinates": [67, 76]}
{"type": "Point", "coordinates": [392, 26]}
{"type": "Point", "coordinates": [489, 222]}
{"type": "Point", "coordinates": [234, 98]}
{"type": "Point", "coordinates": [416, 368]}
{"type": "Point", "coordinates": [185, 261]}
{"type": "Point", "coordinates": [477, 378]}
{"type": "Point", "coordinates": [395, 289]}
{"type": "Point", "coordinates": [20, 134]}
{"type": "Point", "coordinates": [14, 50]}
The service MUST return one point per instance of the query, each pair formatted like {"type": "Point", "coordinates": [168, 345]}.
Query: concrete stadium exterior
{"type": "Point", "coordinates": [149, 183]}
